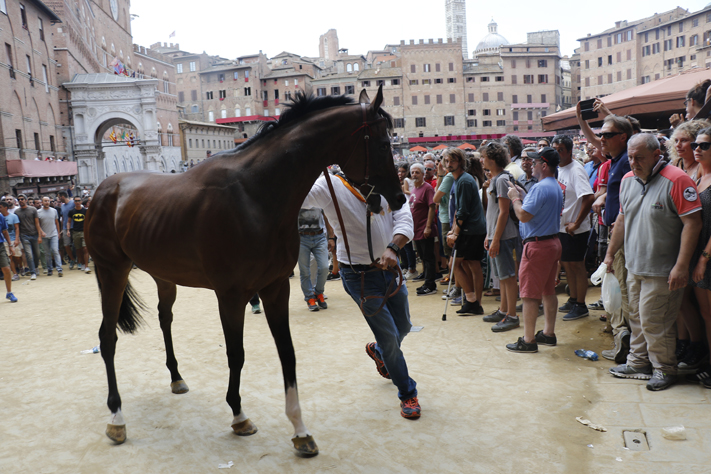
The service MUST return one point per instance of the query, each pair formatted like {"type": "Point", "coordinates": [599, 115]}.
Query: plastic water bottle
{"type": "Point", "coordinates": [586, 354]}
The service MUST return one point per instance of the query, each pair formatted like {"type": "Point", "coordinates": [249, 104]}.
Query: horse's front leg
{"type": "Point", "coordinates": [276, 308]}
{"type": "Point", "coordinates": [231, 307]}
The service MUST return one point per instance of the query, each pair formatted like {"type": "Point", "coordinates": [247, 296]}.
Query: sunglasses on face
{"type": "Point", "coordinates": [429, 169]}
{"type": "Point", "coordinates": [703, 145]}
{"type": "Point", "coordinates": [607, 135]}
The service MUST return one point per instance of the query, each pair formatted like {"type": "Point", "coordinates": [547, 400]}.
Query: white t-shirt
{"type": "Point", "coordinates": [577, 185]}
{"type": "Point", "coordinates": [514, 169]}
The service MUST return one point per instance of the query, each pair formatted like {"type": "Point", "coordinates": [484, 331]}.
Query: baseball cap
{"type": "Point", "coordinates": [548, 155]}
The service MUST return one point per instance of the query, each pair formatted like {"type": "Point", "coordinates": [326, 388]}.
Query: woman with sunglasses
{"type": "Point", "coordinates": [680, 152]}
{"type": "Point", "coordinates": [701, 269]}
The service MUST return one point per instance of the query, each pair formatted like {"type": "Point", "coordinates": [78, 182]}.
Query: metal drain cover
{"type": "Point", "coordinates": [636, 440]}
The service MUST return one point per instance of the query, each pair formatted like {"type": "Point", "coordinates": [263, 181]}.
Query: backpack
{"type": "Point", "coordinates": [509, 176]}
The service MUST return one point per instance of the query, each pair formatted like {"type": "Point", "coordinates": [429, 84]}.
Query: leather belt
{"type": "Point", "coordinates": [536, 239]}
{"type": "Point", "coordinates": [316, 232]}
{"type": "Point", "coordinates": [355, 267]}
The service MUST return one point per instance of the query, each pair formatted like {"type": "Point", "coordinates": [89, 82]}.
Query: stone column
{"type": "Point", "coordinates": [150, 155]}
{"type": "Point", "coordinates": [87, 158]}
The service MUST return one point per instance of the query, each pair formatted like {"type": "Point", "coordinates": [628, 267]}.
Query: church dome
{"type": "Point", "coordinates": [492, 41]}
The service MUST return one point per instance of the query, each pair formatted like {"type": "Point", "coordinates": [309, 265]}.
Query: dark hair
{"type": "Point", "coordinates": [496, 153]}
{"type": "Point", "coordinates": [514, 143]}
{"type": "Point", "coordinates": [636, 126]}
{"type": "Point", "coordinates": [620, 124]}
{"type": "Point", "coordinates": [698, 92]}
{"type": "Point", "coordinates": [475, 168]}
{"type": "Point", "coordinates": [564, 140]}
{"type": "Point", "coordinates": [404, 166]}
{"type": "Point", "coordinates": [62, 193]}
{"type": "Point", "coordinates": [3, 203]}
{"type": "Point", "coordinates": [544, 140]}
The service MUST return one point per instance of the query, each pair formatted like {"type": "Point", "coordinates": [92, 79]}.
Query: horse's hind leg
{"type": "Point", "coordinates": [276, 308]}
{"type": "Point", "coordinates": [232, 317]}
{"type": "Point", "coordinates": [167, 293]}
{"type": "Point", "coordinates": [112, 283]}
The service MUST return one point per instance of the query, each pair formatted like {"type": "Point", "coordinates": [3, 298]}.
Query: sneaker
{"type": "Point", "coordinates": [444, 281]}
{"type": "Point", "coordinates": [625, 371]}
{"type": "Point", "coordinates": [546, 340]}
{"type": "Point", "coordinates": [60, 273]}
{"type": "Point", "coordinates": [33, 276]}
{"type": "Point", "coordinates": [453, 293]}
{"type": "Point", "coordinates": [321, 302]}
{"type": "Point", "coordinates": [49, 273]}
{"type": "Point", "coordinates": [469, 308]}
{"type": "Point", "coordinates": [71, 265]}
{"type": "Point", "coordinates": [568, 306]}
{"type": "Point", "coordinates": [660, 381]}
{"type": "Point", "coordinates": [506, 324]}
{"type": "Point", "coordinates": [621, 349]}
{"type": "Point", "coordinates": [80, 267]}
{"type": "Point", "coordinates": [424, 291]}
{"type": "Point", "coordinates": [411, 274]}
{"type": "Point", "coordinates": [256, 309]}
{"type": "Point", "coordinates": [494, 317]}
{"type": "Point", "coordinates": [87, 269]}
{"type": "Point", "coordinates": [379, 364]}
{"type": "Point", "coordinates": [15, 277]}
{"type": "Point", "coordinates": [681, 346]}
{"type": "Point", "coordinates": [522, 346]}
{"type": "Point", "coordinates": [420, 277]}
{"type": "Point", "coordinates": [456, 301]}
{"type": "Point", "coordinates": [11, 297]}
{"type": "Point", "coordinates": [334, 276]}
{"type": "Point", "coordinates": [578, 311]}
{"type": "Point", "coordinates": [597, 306]}
{"type": "Point", "coordinates": [312, 304]}
{"type": "Point", "coordinates": [695, 355]}
{"type": "Point", "coordinates": [410, 408]}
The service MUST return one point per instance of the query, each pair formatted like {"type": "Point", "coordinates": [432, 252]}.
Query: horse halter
{"type": "Point", "coordinates": [370, 199]}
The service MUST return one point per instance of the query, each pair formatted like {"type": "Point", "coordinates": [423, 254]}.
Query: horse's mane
{"type": "Point", "coordinates": [301, 105]}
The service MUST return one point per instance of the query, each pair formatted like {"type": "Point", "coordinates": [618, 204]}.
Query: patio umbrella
{"type": "Point", "coordinates": [466, 146]}
{"type": "Point", "coordinates": [418, 148]}
{"type": "Point", "coordinates": [440, 147]}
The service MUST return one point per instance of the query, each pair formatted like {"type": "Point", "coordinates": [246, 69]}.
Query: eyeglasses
{"type": "Point", "coordinates": [703, 145]}
{"type": "Point", "coordinates": [607, 135]}
{"type": "Point", "coordinates": [526, 158]}
{"type": "Point", "coordinates": [20, 199]}
{"type": "Point", "coordinates": [429, 169]}
{"type": "Point", "coordinates": [686, 102]}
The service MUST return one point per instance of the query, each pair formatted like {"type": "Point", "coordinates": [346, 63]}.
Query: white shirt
{"type": "Point", "coordinates": [577, 185]}
{"type": "Point", "coordinates": [383, 226]}
{"type": "Point", "coordinates": [514, 169]}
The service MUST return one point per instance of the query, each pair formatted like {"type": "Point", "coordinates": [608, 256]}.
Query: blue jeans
{"type": "Point", "coordinates": [318, 245]}
{"type": "Point", "coordinates": [51, 249]}
{"type": "Point", "coordinates": [29, 243]}
{"type": "Point", "coordinates": [389, 326]}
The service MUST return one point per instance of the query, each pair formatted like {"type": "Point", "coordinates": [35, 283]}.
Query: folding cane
{"type": "Point", "coordinates": [451, 276]}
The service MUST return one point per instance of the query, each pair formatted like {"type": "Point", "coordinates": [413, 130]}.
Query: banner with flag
{"type": "Point", "coordinates": [118, 67]}
{"type": "Point", "coordinates": [113, 136]}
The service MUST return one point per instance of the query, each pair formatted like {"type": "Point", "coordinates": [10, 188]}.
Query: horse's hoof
{"type": "Point", "coordinates": [305, 446]}
{"type": "Point", "coordinates": [117, 433]}
{"type": "Point", "coordinates": [179, 386]}
{"type": "Point", "coordinates": [244, 428]}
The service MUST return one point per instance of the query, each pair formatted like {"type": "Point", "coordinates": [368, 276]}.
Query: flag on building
{"type": "Point", "coordinates": [113, 136]}
{"type": "Point", "coordinates": [172, 34]}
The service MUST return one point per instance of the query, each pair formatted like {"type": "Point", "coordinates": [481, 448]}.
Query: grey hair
{"type": "Point", "coordinates": [428, 156]}
{"type": "Point", "coordinates": [646, 139]}
{"type": "Point", "coordinates": [419, 166]}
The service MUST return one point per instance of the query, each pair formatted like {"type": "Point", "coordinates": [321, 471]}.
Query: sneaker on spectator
{"type": "Point", "coordinates": [379, 364]}
{"type": "Point", "coordinates": [578, 311]}
{"type": "Point", "coordinates": [621, 349]}
{"type": "Point", "coordinates": [49, 273]}
{"type": "Point", "coordinates": [411, 274]}
{"type": "Point", "coordinates": [568, 306]}
{"type": "Point", "coordinates": [410, 408]}
{"type": "Point", "coordinates": [506, 324]}
{"type": "Point", "coordinates": [33, 276]}
{"type": "Point", "coordinates": [660, 381]}
{"type": "Point", "coordinates": [456, 301]}
{"type": "Point", "coordinates": [494, 317]}
{"type": "Point", "coordinates": [15, 277]}
{"type": "Point", "coordinates": [695, 355]}
{"type": "Point", "coordinates": [522, 346]}
{"type": "Point", "coordinates": [11, 297]}
{"type": "Point", "coordinates": [71, 264]}
{"type": "Point", "coordinates": [321, 302]}
{"type": "Point", "coordinates": [420, 277]}
{"type": "Point", "coordinates": [44, 271]}
{"type": "Point", "coordinates": [424, 291]}
{"type": "Point", "coordinates": [546, 340]}
{"type": "Point", "coordinates": [597, 306]}
{"type": "Point", "coordinates": [469, 308]}
{"type": "Point", "coordinates": [60, 273]}
{"type": "Point", "coordinates": [87, 269]}
{"type": "Point", "coordinates": [312, 304]}
{"type": "Point", "coordinates": [625, 371]}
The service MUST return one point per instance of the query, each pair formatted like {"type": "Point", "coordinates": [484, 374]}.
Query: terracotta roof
{"type": "Point", "coordinates": [377, 73]}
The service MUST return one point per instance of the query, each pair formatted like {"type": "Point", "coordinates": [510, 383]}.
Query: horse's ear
{"type": "Point", "coordinates": [378, 99]}
{"type": "Point", "coordinates": [363, 99]}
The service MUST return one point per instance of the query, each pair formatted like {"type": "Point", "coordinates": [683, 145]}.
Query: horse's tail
{"type": "Point", "coordinates": [130, 318]}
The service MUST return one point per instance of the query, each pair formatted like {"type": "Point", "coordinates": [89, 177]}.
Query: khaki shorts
{"type": "Point", "coordinates": [4, 261]}
{"type": "Point", "coordinates": [66, 238]}
{"type": "Point", "coordinates": [78, 238]}
{"type": "Point", "coordinates": [17, 250]}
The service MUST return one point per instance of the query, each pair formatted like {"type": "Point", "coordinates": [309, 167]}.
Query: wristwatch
{"type": "Point", "coordinates": [394, 248]}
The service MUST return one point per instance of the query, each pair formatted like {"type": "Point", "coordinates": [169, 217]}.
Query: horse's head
{"type": "Point", "coordinates": [371, 164]}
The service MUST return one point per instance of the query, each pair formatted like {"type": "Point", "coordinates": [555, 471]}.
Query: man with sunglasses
{"type": "Point", "coordinates": [614, 135]}
{"type": "Point", "coordinates": [658, 224]}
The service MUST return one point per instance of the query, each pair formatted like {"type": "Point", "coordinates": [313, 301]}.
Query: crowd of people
{"type": "Point", "coordinates": [42, 233]}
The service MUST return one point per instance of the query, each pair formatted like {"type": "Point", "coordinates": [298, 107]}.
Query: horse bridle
{"type": "Point", "coordinates": [365, 126]}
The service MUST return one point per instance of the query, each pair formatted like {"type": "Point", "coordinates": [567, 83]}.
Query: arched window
{"type": "Point", "coordinates": [211, 116]}
{"type": "Point", "coordinates": [356, 67]}
{"type": "Point", "coordinates": [223, 113]}
{"type": "Point", "coordinates": [238, 112]}
{"type": "Point", "coordinates": [349, 67]}
{"type": "Point", "coordinates": [248, 111]}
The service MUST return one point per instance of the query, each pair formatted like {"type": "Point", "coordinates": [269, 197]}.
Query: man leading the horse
{"type": "Point", "coordinates": [369, 284]}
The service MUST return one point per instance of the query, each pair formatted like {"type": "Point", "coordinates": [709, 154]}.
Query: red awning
{"type": "Point", "coordinates": [650, 103]}
{"type": "Point", "coordinates": [40, 169]}
{"type": "Point", "coordinates": [418, 148]}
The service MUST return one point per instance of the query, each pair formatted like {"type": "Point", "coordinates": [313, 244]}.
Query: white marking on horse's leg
{"type": "Point", "coordinates": [293, 412]}
{"type": "Point", "coordinates": [117, 418]}
{"type": "Point", "coordinates": [240, 418]}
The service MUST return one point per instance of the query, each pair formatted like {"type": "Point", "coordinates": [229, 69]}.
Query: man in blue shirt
{"type": "Point", "coordinates": [539, 215]}
{"type": "Point", "coordinates": [5, 252]}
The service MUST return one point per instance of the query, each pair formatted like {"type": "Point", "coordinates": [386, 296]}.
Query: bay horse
{"type": "Point", "coordinates": [230, 225]}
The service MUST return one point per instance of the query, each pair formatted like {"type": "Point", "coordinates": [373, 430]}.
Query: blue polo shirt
{"type": "Point", "coordinates": [3, 226]}
{"type": "Point", "coordinates": [619, 167]}
{"type": "Point", "coordinates": [545, 203]}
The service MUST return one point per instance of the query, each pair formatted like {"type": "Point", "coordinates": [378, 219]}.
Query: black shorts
{"type": "Point", "coordinates": [470, 247]}
{"type": "Point", "coordinates": [574, 246]}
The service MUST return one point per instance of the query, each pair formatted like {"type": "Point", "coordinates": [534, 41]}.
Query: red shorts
{"type": "Point", "coordinates": [539, 266]}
